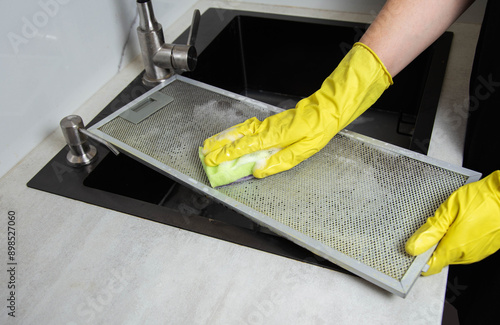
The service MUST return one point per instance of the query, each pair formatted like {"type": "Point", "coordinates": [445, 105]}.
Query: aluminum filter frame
{"type": "Point", "coordinates": [355, 203]}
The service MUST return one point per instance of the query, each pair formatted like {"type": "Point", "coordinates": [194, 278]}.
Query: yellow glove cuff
{"type": "Point", "coordinates": [378, 60]}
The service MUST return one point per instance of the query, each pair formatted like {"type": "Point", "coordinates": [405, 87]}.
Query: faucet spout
{"type": "Point", "coordinates": [147, 20]}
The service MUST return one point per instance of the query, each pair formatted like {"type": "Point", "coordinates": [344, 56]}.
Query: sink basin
{"type": "Point", "coordinates": [279, 60]}
{"type": "Point", "coordinates": [272, 58]}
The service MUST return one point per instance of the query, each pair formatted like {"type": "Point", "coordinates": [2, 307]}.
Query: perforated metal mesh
{"type": "Point", "coordinates": [357, 199]}
{"type": "Point", "coordinates": [173, 134]}
{"type": "Point", "coordinates": [354, 196]}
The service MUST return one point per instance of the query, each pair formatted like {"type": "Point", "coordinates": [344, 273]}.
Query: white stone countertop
{"type": "Point", "coordinates": [81, 264]}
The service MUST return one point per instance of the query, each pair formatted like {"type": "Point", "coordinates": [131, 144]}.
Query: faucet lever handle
{"type": "Point", "coordinates": [193, 31]}
{"type": "Point", "coordinates": [181, 57]}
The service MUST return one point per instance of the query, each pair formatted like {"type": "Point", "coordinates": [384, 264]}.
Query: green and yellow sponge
{"type": "Point", "coordinates": [237, 170]}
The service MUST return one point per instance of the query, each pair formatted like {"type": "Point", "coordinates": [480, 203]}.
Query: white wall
{"type": "Point", "coordinates": [55, 54]}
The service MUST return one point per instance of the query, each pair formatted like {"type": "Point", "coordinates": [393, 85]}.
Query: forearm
{"type": "Point", "coordinates": [405, 28]}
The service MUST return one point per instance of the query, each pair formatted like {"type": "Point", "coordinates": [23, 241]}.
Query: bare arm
{"type": "Point", "coordinates": [405, 28]}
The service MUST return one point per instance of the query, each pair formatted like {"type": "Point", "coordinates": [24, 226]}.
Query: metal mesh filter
{"type": "Point", "coordinates": [355, 203]}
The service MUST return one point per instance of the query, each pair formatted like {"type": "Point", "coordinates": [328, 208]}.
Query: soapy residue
{"type": "Point", "coordinates": [261, 163]}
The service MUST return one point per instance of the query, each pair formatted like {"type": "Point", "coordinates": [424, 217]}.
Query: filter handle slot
{"type": "Point", "coordinates": [146, 107]}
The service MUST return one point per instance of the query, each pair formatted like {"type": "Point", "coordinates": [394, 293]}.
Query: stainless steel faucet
{"type": "Point", "coordinates": [161, 59]}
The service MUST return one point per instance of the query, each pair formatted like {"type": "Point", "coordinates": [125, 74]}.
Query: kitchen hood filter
{"type": "Point", "coordinates": [355, 203]}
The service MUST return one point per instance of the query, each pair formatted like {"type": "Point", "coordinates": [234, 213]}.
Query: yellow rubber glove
{"type": "Point", "coordinates": [467, 223]}
{"type": "Point", "coordinates": [357, 82]}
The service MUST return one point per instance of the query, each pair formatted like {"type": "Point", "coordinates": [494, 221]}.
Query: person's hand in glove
{"type": "Point", "coordinates": [466, 225]}
{"type": "Point", "coordinates": [298, 133]}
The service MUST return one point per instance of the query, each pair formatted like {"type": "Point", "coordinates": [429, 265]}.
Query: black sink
{"type": "Point", "coordinates": [272, 58]}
